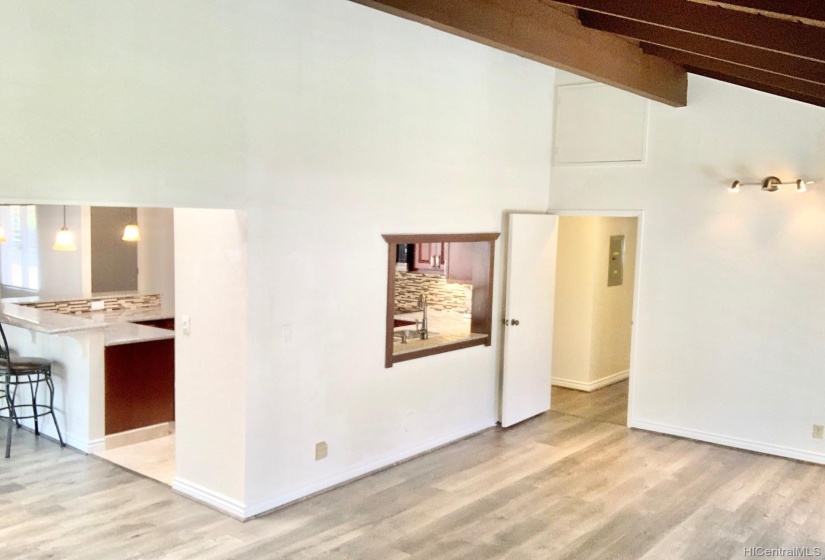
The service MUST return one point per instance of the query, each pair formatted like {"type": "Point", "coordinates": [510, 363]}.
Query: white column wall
{"type": "Point", "coordinates": [156, 253]}
{"type": "Point", "coordinates": [211, 362]}
{"type": "Point", "coordinates": [78, 376]}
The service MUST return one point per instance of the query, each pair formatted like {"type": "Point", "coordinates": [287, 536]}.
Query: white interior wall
{"type": "Point", "coordinates": [210, 356]}
{"type": "Point", "coordinates": [730, 315]}
{"type": "Point", "coordinates": [331, 123]}
{"type": "Point", "coordinates": [573, 315]}
{"type": "Point", "coordinates": [84, 246]}
{"type": "Point", "coordinates": [439, 135]}
{"type": "Point", "coordinates": [156, 253]}
{"type": "Point", "coordinates": [61, 272]}
{"type": "Point", "coordinates": [612, 305]}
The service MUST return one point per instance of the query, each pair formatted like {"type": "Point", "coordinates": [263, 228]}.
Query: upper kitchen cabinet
{"type": "Point", "coordinates": [451, 260]}
{"type": "Point", "coordinates": [459, 262]}
{"type": "Point", "coordinates": [429, 258]}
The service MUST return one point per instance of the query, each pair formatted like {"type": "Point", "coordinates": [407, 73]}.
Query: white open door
{"type": "Point", "coordinates": [528, 331]}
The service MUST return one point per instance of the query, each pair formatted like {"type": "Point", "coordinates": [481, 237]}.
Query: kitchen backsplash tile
{"type": "Point", "coordinates": [110, 303]}
{"type": "Point", "coordinates": [440, 295]}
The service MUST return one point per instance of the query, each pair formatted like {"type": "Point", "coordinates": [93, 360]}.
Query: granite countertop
{"type": "Point", "coordinates": [130, 333]}
{"type": "Point", "coordinates": [94, 296]}
{"type": "Point", "coordinates": [119, 325]}
{"type": "Point", "coordinates": [446, 327]}
{"type": "Point", "coordinates": [434, 341]}
{"type": "Point", "coordinates": [407, 311]}
{"type": "Point", "coordinates": [44, 321]}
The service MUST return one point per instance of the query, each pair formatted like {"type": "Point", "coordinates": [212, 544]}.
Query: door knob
{"type": "Point", "coordinates": [515, 322]}
{"type": "Point", "coordinates": [506, 322]}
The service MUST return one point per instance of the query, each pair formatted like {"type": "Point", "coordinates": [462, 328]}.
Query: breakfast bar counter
{"type": "Point", "coordinates": [99, 361]}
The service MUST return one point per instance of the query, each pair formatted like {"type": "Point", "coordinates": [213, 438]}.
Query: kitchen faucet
{"type": "Point", "coordinates": [421, 326]}
{"type": "Point", "coordinates": [424, 331]}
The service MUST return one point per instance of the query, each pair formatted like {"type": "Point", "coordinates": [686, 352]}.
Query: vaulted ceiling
{"type": "Point", "coordinates": [648, 46]}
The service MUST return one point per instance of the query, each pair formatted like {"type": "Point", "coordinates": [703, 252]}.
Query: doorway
{"type": "Point", "coordinates": [593, 316]}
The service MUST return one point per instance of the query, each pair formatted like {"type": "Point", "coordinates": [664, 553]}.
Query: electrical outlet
{"type": "Point", "coordinates": [321, 450]}
{"type": "Point", "coordinates": [97, 305]}
{"type": "Point", "coordinates": [818, 431]}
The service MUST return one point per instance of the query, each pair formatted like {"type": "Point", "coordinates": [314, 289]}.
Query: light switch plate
{"type": "Point", "coordinates": [321, 450]}
{"type": "Point", "coordinates": [615, 262]}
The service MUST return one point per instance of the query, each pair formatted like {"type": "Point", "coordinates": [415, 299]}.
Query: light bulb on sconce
{"type": "Point", "coordinates": [2, 234]}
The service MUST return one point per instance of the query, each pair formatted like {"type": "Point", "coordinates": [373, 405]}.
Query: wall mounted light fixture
{"type": "Point", "coordinates": [771, 184]}
{"type": "Point", "coordinates": [65, 238]}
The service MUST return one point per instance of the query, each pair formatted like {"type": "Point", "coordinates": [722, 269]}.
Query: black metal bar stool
{"type": "Point", "coordinates": [18, 371]}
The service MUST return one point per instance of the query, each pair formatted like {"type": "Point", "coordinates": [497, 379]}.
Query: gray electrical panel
{"type": "Point", "coordinates": [615, 265]}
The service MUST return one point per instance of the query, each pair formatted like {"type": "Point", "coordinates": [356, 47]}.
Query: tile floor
{"type": "Point", "coordinates": [154, 459]}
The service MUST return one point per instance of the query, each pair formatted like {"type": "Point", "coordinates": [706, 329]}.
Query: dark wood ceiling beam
{"type": "Point", "coordinates": [737, 71]}
{"type": "Point", "coordinates": [755, 30]}
{"type": "Point", "coordinates": [771, 61]}
{"type": "Point", "coordinates": [802, 9]}
{"type": "Point", "coordinates": [759, 87]}
{"type": "Point", "coordinates": [553, 36]}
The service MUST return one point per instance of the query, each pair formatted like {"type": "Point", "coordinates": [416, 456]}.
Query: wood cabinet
{"type": "Point", "coordinates": [140, 385]}
{"type": "Point", "coordinates": [168, 324]}
{"type": "Point", "coordinates": [429, 257]}
{"type": "Point", "coordinates": [459, 262]}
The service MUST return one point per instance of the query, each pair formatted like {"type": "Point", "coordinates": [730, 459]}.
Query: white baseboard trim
{"type": "Point", "coordinates": [727, 441]}
{"type": "Point", "coordinates": [139, 435]}
{"type": "Point", "coordinates": [215, 500]}
{"type": "Point", "coordinates": [93, 446]}
{"type": "Point", "coordinates": [359, 471]}
{"type": "Point", "coordinates": [590, 386]}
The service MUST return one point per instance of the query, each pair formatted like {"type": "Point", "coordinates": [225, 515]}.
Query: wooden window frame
{"type": "Point", "coordinates": [482, 312]}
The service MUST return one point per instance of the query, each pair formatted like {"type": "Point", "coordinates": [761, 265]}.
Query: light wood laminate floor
{"type": "Point", "coordinates": [608, 404]}
{"type": "Point", "coordinates": [555, 487]}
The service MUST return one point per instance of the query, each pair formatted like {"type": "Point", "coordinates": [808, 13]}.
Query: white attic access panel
{"type": "Point", "coordinates": [596, 123]}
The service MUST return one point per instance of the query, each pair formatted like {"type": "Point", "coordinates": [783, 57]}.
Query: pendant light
{"type": "Point", "coordinates": [65, 239]}
{"type": "Point", "coordinates": [132, 233]}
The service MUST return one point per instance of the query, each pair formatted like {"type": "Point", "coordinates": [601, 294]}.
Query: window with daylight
{"type": "Point", "coordinates": [19, 264]}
